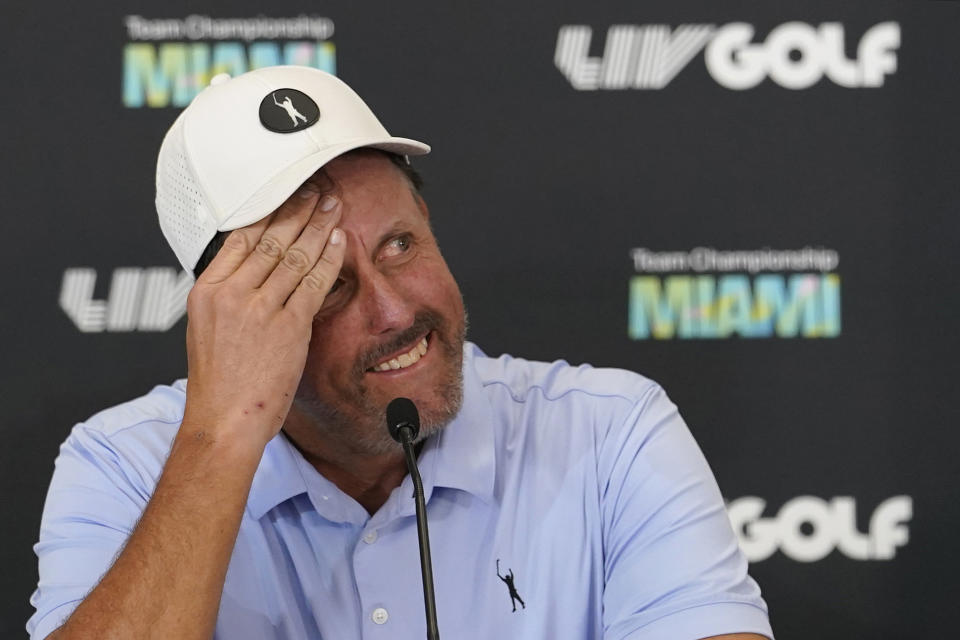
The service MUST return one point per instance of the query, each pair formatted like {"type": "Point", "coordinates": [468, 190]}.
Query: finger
{"type": "Point", "coordinates": [308, 297]}
{"type": "Point", "coordinates": [236, 247]}
{"type": "Point", "coordinates": [288, 221]}
{"type": "Point", "coordinates": [303, 254]}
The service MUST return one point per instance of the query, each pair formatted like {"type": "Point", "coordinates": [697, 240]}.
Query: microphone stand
{"type": "Point", "coordinates": [403, 423]}
{"type": "Point", "coordinates": [426, 567]}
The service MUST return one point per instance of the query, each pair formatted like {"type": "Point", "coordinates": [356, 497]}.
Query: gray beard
{"type": "Point", "coordinates": [366, 433]}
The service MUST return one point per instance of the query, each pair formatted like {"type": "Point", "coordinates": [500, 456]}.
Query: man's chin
{"type": "Point", "coordinates": [437, 403]}
{"type": "Point", "coordinates": [359, 425]}
{"type": "Point", "coordinates": [437, 412]}
{"type": "Point", "coordinates": [434, 382]}
{"type": "Point", "coordinates": [351, 416]}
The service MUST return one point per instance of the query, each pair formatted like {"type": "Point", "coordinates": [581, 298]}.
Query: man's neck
{"type": "Point", "coordinates": [368, 479]}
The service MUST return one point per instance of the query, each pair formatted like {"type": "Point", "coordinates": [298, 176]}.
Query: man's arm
{"type": "Point", "coordinates": [249, 323]}
{"type": "Point", "coordinates": [673, 565]}
{"type": "Point", "coordinates": [168, 578]}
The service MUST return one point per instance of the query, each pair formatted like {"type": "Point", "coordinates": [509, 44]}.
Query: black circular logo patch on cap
{"type": "Point", "coordinates": [288, 111]}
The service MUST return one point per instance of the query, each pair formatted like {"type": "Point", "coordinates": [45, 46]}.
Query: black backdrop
{"type": "Point", "coordinates": [540, 191]}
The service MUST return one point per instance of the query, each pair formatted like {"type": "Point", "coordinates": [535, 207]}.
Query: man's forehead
{"type": "Point", "coordinates": [375, 192]}
{"type": "Point", "coordinates": [361, 163]}
{"type": "Point", "coordinates": [358, 170]}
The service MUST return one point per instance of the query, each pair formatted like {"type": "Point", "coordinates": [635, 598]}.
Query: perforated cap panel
{"type": "Point", "coordinates": [185, 216]}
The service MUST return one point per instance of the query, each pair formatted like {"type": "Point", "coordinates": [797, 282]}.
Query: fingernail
{"type": "Point", "coordinates": [328, 203]}
{"type": "Point", "coordinates": [308, 190]}
{"type": "Point", "coordinates": [336, 237]}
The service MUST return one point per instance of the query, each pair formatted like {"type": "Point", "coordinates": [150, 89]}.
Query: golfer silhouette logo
{"type": "Point", "coordinates": [508, 580]}
{"type": "Point", "coordinates": [287, 105]}
{"type": "Point", "coordinates": [287, 110]}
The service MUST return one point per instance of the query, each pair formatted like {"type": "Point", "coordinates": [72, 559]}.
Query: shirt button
{"type": "Point", "coordinates": [380, 615]}
{"type": "Point", "coordinates": [370, 537]}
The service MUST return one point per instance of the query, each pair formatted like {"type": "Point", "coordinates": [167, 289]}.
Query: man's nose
{"type": "Point", "coordinates": [386, 308]}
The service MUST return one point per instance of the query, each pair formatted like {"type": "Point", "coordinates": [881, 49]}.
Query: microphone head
{"type": "Point", "coordinates": [402, 413]}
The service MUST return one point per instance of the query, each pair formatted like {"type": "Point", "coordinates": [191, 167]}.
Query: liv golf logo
{"type": "Point", "coordinates": [152, 299]}
{"type": "Point", "coordinates": [707, 293]}
{"type": "Point", "coordinates": [795, 55]}
{"type": "Point", "coordinates": [808, 528]}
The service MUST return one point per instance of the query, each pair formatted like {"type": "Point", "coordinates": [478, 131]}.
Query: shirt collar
{"type": "Point", "coordinates": [461, 456]}
{"type": "Point", "coordinates": [277, 478]}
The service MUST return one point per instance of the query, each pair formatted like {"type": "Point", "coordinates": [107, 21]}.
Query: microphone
{"type": "Point", "coordinates": [402, 415]}
{"type": "Point", "coordinates": [403, 423]}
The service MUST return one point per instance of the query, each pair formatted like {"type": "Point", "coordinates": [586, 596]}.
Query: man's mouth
{"type": "Point", "coordinates": [403, 360]}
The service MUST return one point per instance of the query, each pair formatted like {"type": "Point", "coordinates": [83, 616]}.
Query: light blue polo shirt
{"type": "Point", "coordinates": [585, 484]}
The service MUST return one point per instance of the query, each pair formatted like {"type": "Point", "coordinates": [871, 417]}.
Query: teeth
{"type": "Point", "coordinates": [405, 360]}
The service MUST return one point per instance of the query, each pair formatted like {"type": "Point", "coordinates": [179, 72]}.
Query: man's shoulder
{"type": "Point", "coordinates": [119, 452]}
{"type": "Point", "coordinates": [570, 411]}
{"type": "Point", "coordinates": [162, 405]}
{"type": "Point", "coordinates": [559, 381]}
{"type": "Point", "coordinates": [139, 429]}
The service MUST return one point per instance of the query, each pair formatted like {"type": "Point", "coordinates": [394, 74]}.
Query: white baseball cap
{"type": "Point", "coordinates": [245, 144]}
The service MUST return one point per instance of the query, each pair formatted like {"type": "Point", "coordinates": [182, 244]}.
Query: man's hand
{"type": "Point", "coordinates": [250, 315]}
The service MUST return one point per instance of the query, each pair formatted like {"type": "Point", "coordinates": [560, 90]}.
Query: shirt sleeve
{"type": "Point", "coordinates": [673, 568]}
{"type": "Point", "coordinates": [92, 506]}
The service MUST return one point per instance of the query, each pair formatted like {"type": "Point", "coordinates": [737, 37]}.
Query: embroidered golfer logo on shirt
{"type": "Point", "coordinates": [508, 580]}
{"type": "Point", "coordinates": [288, 111]}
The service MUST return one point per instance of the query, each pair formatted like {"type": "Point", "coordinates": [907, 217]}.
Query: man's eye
{"type": "Point", "coordinates": [397, 246]}
{"type": "Point", "coordinates": [336, 285]}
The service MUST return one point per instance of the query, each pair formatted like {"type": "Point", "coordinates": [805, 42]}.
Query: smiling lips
{"type": "Point", "coordinates": [404, 360]}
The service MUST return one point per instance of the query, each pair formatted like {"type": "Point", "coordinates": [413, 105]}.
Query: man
{"type": "Point", "coordinates": [264, 498]}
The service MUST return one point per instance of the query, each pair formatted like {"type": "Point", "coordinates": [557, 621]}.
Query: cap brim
{"type": "Point", "coordinates": [277, 189]}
